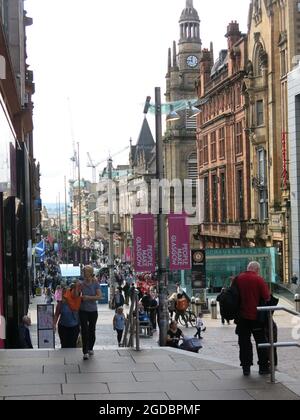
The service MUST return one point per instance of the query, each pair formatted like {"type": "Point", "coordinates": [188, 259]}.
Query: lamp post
{"type": "Point", "coordinates": [161, 228]}
{"type": "Point", "coordinates": [111, 233]}
{"type": "Point", "coordinates": [161, 222]}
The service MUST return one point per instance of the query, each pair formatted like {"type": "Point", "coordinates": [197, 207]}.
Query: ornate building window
{"type": "Point", "coordinates": [205, 149]}
{"type": "Point", "coordinates": [222, 143]}
{"type": "Point", "coordinates": [206, 200]}
{"type": "Point", "coordinates": [215, 201]}
{"type": "Point", "coordinates": [201, 159]}
{"type": "Point", "coordinates": [260, 119]}
{"type": "Point", "coordinates": [240, 194]}
{"type": "Point", "coordinates": [213, 146]}
{"type": "Point", "coordinates": [239, 138]}
{"type": "Point", "coordinates": [223, 197]}
{"type": "Point", "coordinates": [257, 11]}
{"type": "Point", "coordinates": [262, 184]}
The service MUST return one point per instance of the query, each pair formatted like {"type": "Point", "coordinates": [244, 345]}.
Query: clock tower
{"type": "Point", "coordinates": [184, 67]}
{"type": "Point", "coordinates": [180, 151]}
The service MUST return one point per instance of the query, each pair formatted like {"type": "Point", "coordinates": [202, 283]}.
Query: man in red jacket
{"type": "Point", "coordinates": [252, 290]}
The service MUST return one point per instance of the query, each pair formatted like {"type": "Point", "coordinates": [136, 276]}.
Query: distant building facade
{"type": "Point", "coordinates": [222, 146]}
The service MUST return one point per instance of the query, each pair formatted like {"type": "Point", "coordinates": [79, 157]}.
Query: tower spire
{"type": "Point", "coordinates": [174, 54]}
{"type": "Point", "coordinates": [189, 3]}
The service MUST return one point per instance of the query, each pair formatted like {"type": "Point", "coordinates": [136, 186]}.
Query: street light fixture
{"type": "Point", "coordinates": [172, 116]}
{"type": "Point", "coordinates": [193, 110]}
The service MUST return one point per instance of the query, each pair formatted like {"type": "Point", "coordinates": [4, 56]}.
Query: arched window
{"type": "Point", "coordinates": [260, 60]}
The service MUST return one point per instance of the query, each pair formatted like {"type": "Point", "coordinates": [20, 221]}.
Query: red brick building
{"type": "Point", "coordinates": [223, 147]}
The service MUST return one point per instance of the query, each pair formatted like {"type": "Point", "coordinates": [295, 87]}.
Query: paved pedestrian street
{"type": "Point", "coordinates": [152, 374]}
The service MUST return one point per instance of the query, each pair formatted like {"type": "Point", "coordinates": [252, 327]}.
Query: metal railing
{"type": "Point", "coordinates": [271, 345]}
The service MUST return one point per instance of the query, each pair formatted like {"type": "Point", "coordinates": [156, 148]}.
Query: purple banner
{"type": "Point", "coordinates": [144, 249]}
{"type": "Point", "coordinates": [179, 243]}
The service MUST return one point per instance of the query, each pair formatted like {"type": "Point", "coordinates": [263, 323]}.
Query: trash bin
{"type": "Point", "coordinates": [297, 303]}
{"type": "Point", "coordinates": [104, 292]}
{"type": "Point", "coordinates": [214, 309]}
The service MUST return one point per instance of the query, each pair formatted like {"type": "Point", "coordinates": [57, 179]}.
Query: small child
{"type": "Point", "coordinates": [119, 322]}
{"type": "Point", "coordinates": [199, 326]}
{"type": "Point", "coordinates": [48, 296]}
{"type": "Point", "coordinates": [24, 334]}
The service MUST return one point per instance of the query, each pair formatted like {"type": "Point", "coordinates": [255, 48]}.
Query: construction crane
{"type": "Point", "coordinates": [94, 166]}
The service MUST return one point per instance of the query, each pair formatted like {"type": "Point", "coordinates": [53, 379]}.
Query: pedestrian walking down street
{"type": "Point", "coordinates": [223, 317]}
{"type": "Point", "coordinates": [252, 290]}
{"type": "Point", "coordinates": [88, 314]}
{"type": "Point", "coordinates": [68, 323]}
{"type": "Point", "coordinates": [119, 323]}
{"type": "Point", "coordinates": [199, 326]}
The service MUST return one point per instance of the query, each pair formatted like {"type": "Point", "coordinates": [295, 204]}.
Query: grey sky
{"type": "Point", "coordinates": [106, 56]}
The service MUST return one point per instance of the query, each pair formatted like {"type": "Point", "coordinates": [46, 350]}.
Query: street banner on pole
{"type": "Point", "coordinates": [179, 243]}
{"type": "Point", "coordinates": [144, 249]}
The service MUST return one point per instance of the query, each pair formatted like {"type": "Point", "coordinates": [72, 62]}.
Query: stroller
{"type": "Point", "coordinates": [191, 344]}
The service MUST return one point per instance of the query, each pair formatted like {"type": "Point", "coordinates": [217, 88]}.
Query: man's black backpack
{"type": "Point", "coordinates": [229, 301]}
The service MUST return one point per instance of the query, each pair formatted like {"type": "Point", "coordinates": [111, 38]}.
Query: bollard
{"type": "Point", "coordinates": [214, 309]}
{"type": "Point", "coordinates": [197, 306]}
{"type": "Point", "coordinates": [193, 304]}
{"type": "Point", "coordinates": [297, 302]}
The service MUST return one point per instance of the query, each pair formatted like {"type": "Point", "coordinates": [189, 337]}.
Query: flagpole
{"type": "Point", "coordinates": [66, 224]}
{"type": "Point", "coordinates": [79, 198]}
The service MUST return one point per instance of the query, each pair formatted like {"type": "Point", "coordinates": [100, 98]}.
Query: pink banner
{"type": "Point", "coordinates": [144, 249]}
{"type": "Point", "coordinates": [179, 243]}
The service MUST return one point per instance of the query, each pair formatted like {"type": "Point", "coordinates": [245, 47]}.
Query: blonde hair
{"type": "Point", "coordinates": [88, 271]}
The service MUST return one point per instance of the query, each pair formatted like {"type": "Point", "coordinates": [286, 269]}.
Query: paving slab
{"type": "Point", "coordinates": [61, 369]}
{"type": "Point", "coordinates": [149, 396]}
{"type": "Point", "coordinates": [23, 354]}
{"type": "Point", "coordinates": [98, 367]}
{"type": "Point", "coordinates": [234, 384]}
{"type": "Point", "coordinates": [43, 398]}
{"type": "Point", "coordinates": [25, 390]}
{"type": "Point", "coordinates": [138, 387]}
{"type": "Point", "coordinates": [34, 361]}
{"type": "Point", "coordinates": [174, 366]}
{"type": "Point", "coordinates": [33, 379]}
{"type": "Point", "coordinates": [174, 376]}
{"type": "Point", "coordinates": [209, 395]}
{"type": "Point", "coordinates": [88, 388]}
{"type": "Point", "coordinates": [18, 370]}
{"type": "Point", "coordinates": [87, 378]}
{"type": "Point", "coordinates": [274, 393]}
{"type": "Point", "coordinates": [294, 387]}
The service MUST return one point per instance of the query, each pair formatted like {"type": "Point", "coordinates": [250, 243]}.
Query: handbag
{"type": "Point", "coordinates": [79, 341]}
{"type": "Point", "coordinates": [263, 317]}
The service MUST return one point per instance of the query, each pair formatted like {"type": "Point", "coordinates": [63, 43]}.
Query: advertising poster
{"type": "Point", "coordinates": [45, 325]}
{"type": "Point", "coordinates": [179, 243]}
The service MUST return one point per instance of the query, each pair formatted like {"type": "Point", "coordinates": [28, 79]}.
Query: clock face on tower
{"type": "Point", "coordinates": [192, 61]}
